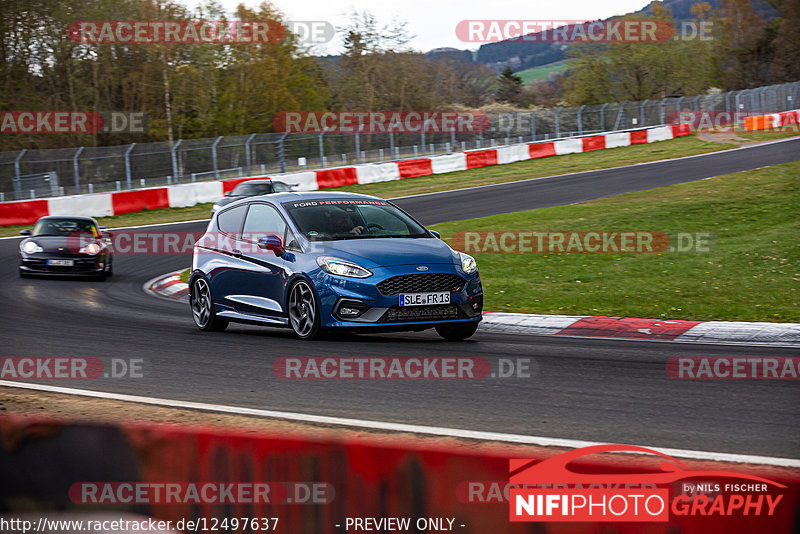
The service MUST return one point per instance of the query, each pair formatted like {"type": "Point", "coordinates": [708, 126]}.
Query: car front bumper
{"type": "Point", "coordinates": [380, 308]}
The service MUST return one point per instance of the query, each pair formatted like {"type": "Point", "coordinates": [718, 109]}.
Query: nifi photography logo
{"type": "Point", "coordinates": [550, 490]}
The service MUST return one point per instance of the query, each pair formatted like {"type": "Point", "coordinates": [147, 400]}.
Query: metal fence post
{"type": "Point", "coordinates": [661, 111]}
{"type": "Point", "coordinates": [281, 152]}
{"type": "Point", "coordinates": [214, 157]}
{"type": "Point", "coordinates": [76, 171]}
{"type": "Point", "coordinates": [558, 127]}
{"type": "Point", "coordinates": [580, 123]}
{"type": "Point", "coordinates": [603, 117]}
{"type": "Point", "coordinates": [641, 113]}
{"type": "Point", "coordinates": [247, 153]}
{"type": "Point", "coordinates": [175, 159]}
{"type": "Point", "coordinates": [18, 176]}
{"type": "Point", "coordinates": [619, 114]}
{"type": "Point", "coordinates": [359, 159]}
{"type": "Point", "coordinates": [422, 138]}
{"type": "Point", "coordinates": [128, 165]}
{"type": "Point", "coordinates": [322, 148]}
{"type": "Point", "coordinates": [533, 125]}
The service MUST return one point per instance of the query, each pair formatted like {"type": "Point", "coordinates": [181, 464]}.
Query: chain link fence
{"type": "Point", "coordinates": [29, 174]}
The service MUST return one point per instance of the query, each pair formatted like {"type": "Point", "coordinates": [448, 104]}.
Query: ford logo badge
{"type": "Point", "coordinates": [422, 268]}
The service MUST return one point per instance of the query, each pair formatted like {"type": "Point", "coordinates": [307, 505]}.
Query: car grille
{"type": "Point", "coordinates": [421, 283]}
{"type": "Point", "coordinates": [422, 313]}
{"type": "Point", "coordinates": [81, 266]}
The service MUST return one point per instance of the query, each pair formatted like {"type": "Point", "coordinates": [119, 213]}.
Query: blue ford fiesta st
{"type": "Point", "coordinates": [320, 261]}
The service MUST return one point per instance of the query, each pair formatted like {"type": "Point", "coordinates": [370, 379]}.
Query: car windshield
{"type": "Point", "coordinates": [250, 189]}
{"type": "Point", "coordinates": [64, 227]}
{"type": "Point", "coordinates": [327, 220]}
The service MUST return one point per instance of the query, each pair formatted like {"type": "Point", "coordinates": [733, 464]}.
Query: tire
{"type": "Point", "coordinates": [457, 332]}
{"type": "Point", "coordinates": [304, 311]}
{"type": "Point", "coordinates": [201, 303]}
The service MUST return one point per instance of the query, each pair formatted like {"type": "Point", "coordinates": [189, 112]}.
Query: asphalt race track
{"type": "Point", "coordinates": [595, 390]}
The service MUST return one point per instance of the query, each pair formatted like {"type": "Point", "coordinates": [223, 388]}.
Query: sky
{"type": "Point", "coordinates": [433, 22]}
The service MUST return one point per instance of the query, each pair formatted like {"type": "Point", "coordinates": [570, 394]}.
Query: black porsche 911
{"type": "Point", "coordinates": [66, 246]}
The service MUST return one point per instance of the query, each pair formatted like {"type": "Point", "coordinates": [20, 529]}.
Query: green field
{"type": "Point", "coordinates": [751, 273]}
{"type": "Point", "coordinates": [542, 72]}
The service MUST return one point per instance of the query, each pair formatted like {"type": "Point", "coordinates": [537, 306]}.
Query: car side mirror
{"type": "Point", "coordinates": [436, 234]}
{"type": "Point", "coordinates": [273, 243]}
{"type": "Point", "coordinates": [25, 232]}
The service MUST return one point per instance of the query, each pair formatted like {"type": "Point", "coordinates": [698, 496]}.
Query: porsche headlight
{"type": "Point", "coordinates": [30, 247]}
{"type": "Point", "coordinates": [468, 264]}
{"type": "Point", "coordinates": [91, 248]}
{"type": "Point", "coordinates": [342, 267]}
{"type": "Point", "coordinates": [215, 207]}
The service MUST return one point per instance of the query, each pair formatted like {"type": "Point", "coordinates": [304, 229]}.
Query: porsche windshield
{"type": "Point", "coordinates": [63, 227]}
{"type": "Point", "coordinates": [327, 220]}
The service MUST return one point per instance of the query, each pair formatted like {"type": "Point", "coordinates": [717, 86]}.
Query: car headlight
{"type": "Point", "coordinates": [468, 264]}
{"type": "Point", "coordinates": [342, 267]}
{"type": "Point", "coordinates": [29, 247]}
{"type": "Point", "coordinates": [215, 207]}
{"type": "Point", "coordinates": [91, 248]}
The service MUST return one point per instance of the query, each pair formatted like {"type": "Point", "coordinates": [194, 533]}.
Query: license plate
{"type": "Point", "coordinates": [61, 263]}
{"type": "Point", "coordinates": [425, 299]}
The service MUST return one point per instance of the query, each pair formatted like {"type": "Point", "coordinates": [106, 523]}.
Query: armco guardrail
{"type": "Point", "coordinates": [316, 485]}
{"type": "Point", "coordinates": [117, 203]}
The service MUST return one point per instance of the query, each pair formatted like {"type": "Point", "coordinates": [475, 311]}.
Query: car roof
{"type": "Point", "coordinates": [66, 217]}
{"type": "Point", "coordinates": [293, 196]}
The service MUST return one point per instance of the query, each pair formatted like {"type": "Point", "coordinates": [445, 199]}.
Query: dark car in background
{"type": "Point", "coordinates": [251, 188]}
{"type": "Point", "coordinates": [67, 246]}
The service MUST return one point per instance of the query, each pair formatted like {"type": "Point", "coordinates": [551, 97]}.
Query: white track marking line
{"type": "Point", "coordinates": [398, 427]}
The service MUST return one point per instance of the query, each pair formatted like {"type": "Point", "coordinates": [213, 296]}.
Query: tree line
{"type": "Point", "coordinates": [205, 90]}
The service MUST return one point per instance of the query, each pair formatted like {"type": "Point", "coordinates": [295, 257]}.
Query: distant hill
{"type": "Point", "coordinates": [521, 55]}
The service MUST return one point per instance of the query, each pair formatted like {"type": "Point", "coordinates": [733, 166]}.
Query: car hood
{"type": "Point", "coordinates": [385, 252]}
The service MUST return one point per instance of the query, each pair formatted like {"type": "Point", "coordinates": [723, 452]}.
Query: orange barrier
{"type": "Point", "coordinates": [47, 465]}
{"type": "Point", "coordinates": [775, 120]}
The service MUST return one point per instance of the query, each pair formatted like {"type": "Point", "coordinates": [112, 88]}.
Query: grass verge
{"type": "Point", "coordinates": [751, 273]}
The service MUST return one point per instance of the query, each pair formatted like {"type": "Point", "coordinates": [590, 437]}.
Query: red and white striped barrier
{"type": "Point", "coordinates": [773, 120]}
{"type": "Point", "coordinates": [184, 195]}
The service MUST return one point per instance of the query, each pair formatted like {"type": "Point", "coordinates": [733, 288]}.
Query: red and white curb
{"type": "Point", "coordinates": [779, 334]}
{"type": "Point", "coordinates": [782, 334]}
{"type": "Point", "coordinates": [169, 286]}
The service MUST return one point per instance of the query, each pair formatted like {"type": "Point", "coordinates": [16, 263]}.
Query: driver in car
{"type": "Point", "coordinates": [342, 224]}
